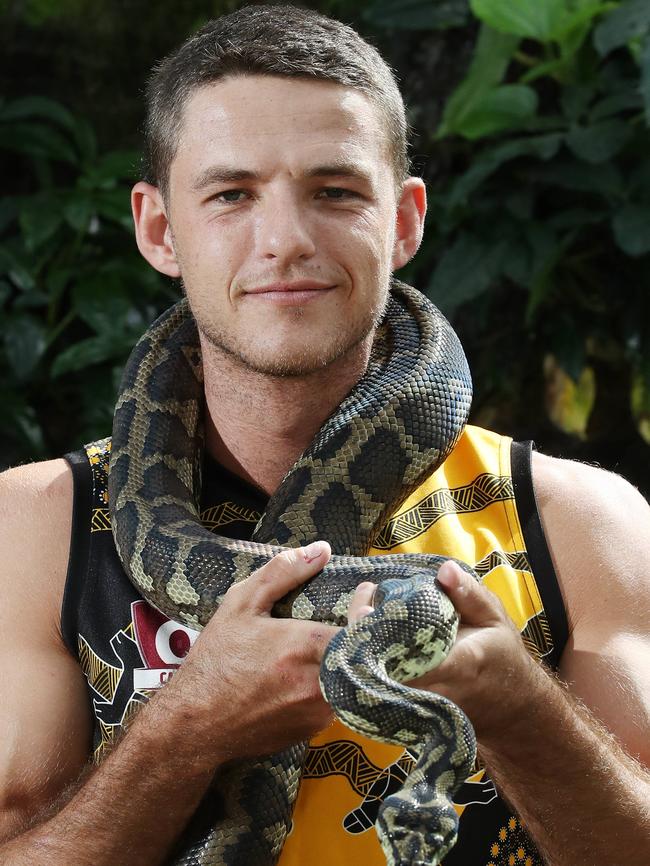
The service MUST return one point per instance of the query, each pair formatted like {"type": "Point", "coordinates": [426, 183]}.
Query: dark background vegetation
{"type": "Point", "coordinates": [531, 128]}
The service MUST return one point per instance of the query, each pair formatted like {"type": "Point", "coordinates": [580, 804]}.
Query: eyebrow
{"type": "Point", "coordinates": [218, 174]}
{"type": "Point", "coordinates": [222, 174]}
{"type": "Point", "coordinates": [341, 169]}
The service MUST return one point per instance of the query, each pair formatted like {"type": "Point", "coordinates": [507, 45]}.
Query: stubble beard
{"type": "Point", "coordinates": [335, 347]}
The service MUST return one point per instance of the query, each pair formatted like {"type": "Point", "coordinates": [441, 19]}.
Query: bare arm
{"type": "Point", "coordinates": [218, 699]}
{"type": "Point", "coordinates": [580, 783]}
{"type": "Point", "coordinates": [44, 718]}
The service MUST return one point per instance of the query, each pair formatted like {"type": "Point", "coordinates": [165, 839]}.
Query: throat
{"type": "Point", "coordinates": [258, 425]}
{"type": "Point", "coordinates": [251, 457]}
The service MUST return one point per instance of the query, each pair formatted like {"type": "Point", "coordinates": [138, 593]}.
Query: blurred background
{"type": "Point", "coordinates": [531, 128]}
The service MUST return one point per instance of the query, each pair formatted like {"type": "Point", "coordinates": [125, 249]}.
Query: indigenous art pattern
{"type": "Point", "coordinates": [144, 649]}
{"type": "Point", "coordinates": [407, 525]}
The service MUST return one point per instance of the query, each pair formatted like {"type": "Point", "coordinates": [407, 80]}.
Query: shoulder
{"type": "Point", "coordinates": [36, 503]}
{"type": "Point", "coordinates": [597, 526]}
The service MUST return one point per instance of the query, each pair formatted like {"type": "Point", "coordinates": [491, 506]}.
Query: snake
{"type": "Point", "coordinates": [395, 427]}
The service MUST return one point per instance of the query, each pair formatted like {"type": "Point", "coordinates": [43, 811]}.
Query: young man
{"type": "Point", "coordinates": [279, 194]}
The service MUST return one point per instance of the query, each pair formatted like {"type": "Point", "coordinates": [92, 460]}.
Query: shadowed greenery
{"type": "Point", "coordinates": [531, 123]}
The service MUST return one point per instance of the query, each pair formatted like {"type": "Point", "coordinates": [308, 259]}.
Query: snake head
{"type": "Point", "coordinates": [415, 834]}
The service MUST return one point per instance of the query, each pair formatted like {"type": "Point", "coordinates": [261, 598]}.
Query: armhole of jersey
{"type": "Point", "coordinates": [79, 546]}
{"type": "Point", "coordinates": [538, 552]}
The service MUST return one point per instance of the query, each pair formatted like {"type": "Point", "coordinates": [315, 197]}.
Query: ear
{"type": "Point", "coordinates": [152, 230]}
{"type": "Point", "coordinates": [409, 227]}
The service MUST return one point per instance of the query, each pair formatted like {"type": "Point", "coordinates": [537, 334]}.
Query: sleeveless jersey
{"type": "Point", "coordinates": [479, 506]}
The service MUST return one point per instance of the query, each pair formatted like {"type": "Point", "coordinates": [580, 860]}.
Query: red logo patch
{"type": "Point", "coordinates": [162, 642]}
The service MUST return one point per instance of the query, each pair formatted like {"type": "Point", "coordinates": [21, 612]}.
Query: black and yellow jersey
{"type": "Point", "coordinates": [478, 506]}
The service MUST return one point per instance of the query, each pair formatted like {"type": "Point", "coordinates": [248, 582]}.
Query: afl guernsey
{"type": "Point", "coordinates": [478, 506]}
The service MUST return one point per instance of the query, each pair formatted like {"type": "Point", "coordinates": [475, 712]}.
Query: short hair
{"type": "Point", "coordinates": [268, 40]}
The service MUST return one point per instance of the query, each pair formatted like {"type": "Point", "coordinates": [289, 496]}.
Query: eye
{"type": "Point", "coordinates": [337, 193]}
{"type": "Point", "coordinates": [230, 196]}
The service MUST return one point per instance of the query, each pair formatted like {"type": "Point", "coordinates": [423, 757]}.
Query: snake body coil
{"type": "Point", "coordinates": [396, 426]}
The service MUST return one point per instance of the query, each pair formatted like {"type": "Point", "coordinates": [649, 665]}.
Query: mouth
{"type": "Point", "coordinates": [297, 292]}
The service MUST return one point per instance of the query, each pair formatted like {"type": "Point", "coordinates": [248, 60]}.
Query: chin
{"type": "Point", "coordinates": [286, 366]}
{"type": "Point", "coordinates": [280, 359]}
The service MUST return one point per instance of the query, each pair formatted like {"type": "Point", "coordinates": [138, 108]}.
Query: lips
{"type": "Point", "coordinates": [291, 294]}
{"type": "Point", "coordinates": [295, 286]}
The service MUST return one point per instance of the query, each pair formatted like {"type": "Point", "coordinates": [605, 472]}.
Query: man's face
{"type": "Point", "coordinates": [282, 208]}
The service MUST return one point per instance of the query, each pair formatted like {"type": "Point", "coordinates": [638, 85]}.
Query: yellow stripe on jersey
{"type": "Point", "coordinates": [465, 510]}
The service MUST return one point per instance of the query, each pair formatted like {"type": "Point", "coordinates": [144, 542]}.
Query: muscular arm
{"type": "Point", "coordinates": [571, 753]}
{"type": "Point", "coordinates": [132, 808]}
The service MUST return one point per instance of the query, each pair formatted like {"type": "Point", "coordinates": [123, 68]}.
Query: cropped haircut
{"type": "Point", "coordinates": [268, 40]}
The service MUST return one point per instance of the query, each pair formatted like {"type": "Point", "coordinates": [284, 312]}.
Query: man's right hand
{"type": "Point", "coordinates": [249, 685]}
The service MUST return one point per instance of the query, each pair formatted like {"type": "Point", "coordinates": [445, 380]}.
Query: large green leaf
{"type": "Point", "coordinates": [506, 107]}
{"type": "Point", "coordinates": [616, 103]}
{"type": "Point", "coordinates": [111, 168]}
{"type": "Point", "coordinates": [39, 217]}
{"type": "Point", "coordinates": [417, 14]}
{"type": "Point", "coordinates": [99, 302]}
{"type": "Point", "coordinates": [30, 107]}
{"type": "Point", "coordinates": [115, 205]}
{"type": "Point", "coordinates": [599, 142]}
{"type": "Point", "coordinates": [629, 21]}
{"type": "Point", "coordinates": [577, 24]}
{"type": "Point", "coordinates": [17, 263]}
{"type": "Point", "coordinates": [465, 271]}
{"type": "Point", "coordinates": [631, 227]}
{"type": "Point", "coordinates": [37, 139]}
{"type": "Point", "coordinates": [25, 343]}
{"type": "Point", "coordinates": [492, 56]}
{"type": "Point", "coordinates": [86, 353]}
{"type": "Point", "coordinates": [78, 210]}
{"type": "Point", "coordinates": [530, 19]}
{"type": "Point", "coordinates": [542, 147]}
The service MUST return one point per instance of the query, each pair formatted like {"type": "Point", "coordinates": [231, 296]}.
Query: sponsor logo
{"type": "Point", "coordinates": [163, 645]}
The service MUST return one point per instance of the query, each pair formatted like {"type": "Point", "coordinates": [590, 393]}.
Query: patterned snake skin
{"type": "Point", "coordinates": [396, 426]}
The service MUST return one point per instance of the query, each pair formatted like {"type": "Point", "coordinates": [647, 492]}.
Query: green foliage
{"type": "Point", "coordinates": [531, 120]}
{"type": "Point", "coordinates": [74, 294]}
{"type": "Point", "coordinates": [544, 221]}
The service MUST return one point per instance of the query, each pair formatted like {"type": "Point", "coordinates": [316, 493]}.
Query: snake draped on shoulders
{"type": "Point", "coordinates": [394, 429]}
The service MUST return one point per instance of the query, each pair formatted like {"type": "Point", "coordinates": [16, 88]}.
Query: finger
{"type": "Point", "coordinates": [361, 602]}
{"type": "Point", "coordinates": [286, 571]}
{"type": "Point", "coordinates": [475, 603]}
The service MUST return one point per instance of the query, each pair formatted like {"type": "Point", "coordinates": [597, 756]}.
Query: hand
{"type": "Point", "coordinates": [249, 685]}
{"type": "Point", "coordinates": [488, 667]}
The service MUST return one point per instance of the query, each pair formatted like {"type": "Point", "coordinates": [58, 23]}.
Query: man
{"type": "Point", "coordinates": [278, 192]}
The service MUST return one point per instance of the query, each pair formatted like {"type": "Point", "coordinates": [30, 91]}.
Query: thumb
{"type": "Point", "coordinates": [286, 571]}
{"type": "Point", "coordinates": [475, 604]}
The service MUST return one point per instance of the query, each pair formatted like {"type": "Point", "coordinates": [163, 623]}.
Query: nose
{"type": "Point", "coordinates": [283, 232]}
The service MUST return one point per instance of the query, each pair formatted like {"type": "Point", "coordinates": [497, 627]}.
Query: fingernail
{"type": "Point", "coordinates": [313, 551]}
{"type": "Point", "coordinates": [448, 576]}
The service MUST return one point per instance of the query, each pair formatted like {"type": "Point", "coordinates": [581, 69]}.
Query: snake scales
{"type": "Point", "coordinates": [397, 425]}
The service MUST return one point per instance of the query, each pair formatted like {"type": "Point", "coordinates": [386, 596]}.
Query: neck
{"type": "Point", "coordinates": [258, 425]}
